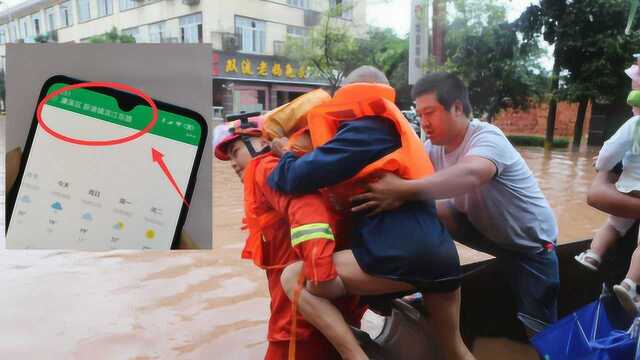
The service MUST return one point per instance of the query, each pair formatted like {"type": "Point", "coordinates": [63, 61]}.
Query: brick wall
{"type": "Point", "coordinates": [534, 121]}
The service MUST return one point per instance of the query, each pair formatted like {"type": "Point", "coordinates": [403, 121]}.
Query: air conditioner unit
{"type": "Point", "coordinates": [191, 2]}
{"type": "Point", "coordinates": [231, 42]}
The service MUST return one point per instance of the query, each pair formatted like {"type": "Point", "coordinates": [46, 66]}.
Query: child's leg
{"type": "Point", "coordinates": [604, 238]}
{"type": "Point", "coordinates": [634, 267]}
{"type": "Point", "coordinates": [321, 313]}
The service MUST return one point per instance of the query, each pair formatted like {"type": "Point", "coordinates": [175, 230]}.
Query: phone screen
{"type": "Point", "coordinates": [82, 197]}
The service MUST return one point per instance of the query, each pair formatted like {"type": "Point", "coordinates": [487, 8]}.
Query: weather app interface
{"type": "Point", "coordinates": [102, 197]}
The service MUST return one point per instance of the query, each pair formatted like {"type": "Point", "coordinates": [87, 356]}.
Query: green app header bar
{"type": "Point", "coordinates": [104, 107]}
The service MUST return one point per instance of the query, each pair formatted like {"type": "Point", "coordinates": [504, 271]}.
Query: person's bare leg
{"type": "Point", "coordinates": [604, 238]}
{"type": "Point", "coordinates": [634, 267]}
{"type": "Point", "coordinates": [444, 319]}
{"type": "Point", "coordinates": [322, 314]}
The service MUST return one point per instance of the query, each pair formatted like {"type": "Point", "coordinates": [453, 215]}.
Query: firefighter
{"type": "Point", "coordinates": [271, 218]}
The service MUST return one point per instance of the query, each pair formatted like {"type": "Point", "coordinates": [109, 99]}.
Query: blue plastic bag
{"type": "Point", "coordinates": [597, 331]}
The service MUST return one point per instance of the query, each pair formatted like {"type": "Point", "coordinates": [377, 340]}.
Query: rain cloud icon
{"type": "Point", "coordinates": [56, 206]}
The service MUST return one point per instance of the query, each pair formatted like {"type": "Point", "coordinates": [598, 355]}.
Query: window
{"type": "Point", "coordinates": [345, 5]}
{"type": "Point", "coordinates": [191, 28]}
{"type": "Point", "coordinates": [105, 7]}
{"type": "Point", "coordinates": [84, 10]}
{"type": "Point", "coordinates": [252, 33]}
{"type": "Point", "coordinates": [13, 31]}
{"type": "Point", "coordinates": [296, 31]}
{"type": "Point", "coordinates": [129, 4]}
{"type": "Point", "coordinates": [3, 35]}
{"type": "Point", "coordinates": [158, 32]}
{"type": "Point", "coordinates": [52, 22]}
{"type": "Point", "coordinates": [135, 32]}
{"type": "Point", "coordinates": [24, 28]}
{"type": "Point", "coordinates": [37, 24]}
{"type": "Point", "coordinates": [66, 14]}
{"type": "Point", "coordinates": [299, 3]}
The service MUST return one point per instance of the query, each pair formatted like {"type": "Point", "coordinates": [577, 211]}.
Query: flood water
{"type": "Point", "coordinates": [564, 177]}
{"type": "Point", "coordinates": [194, 304]}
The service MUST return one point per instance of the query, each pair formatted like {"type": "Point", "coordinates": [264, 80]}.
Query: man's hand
{"type": "Point", "coordinates": [13, 159]}
{"type": "Point", "coordinates": [279, 146]}
{"type": "Point", "coordinates": [388, 193]}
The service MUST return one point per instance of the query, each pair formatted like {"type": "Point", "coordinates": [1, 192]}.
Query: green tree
{"type": "Point", "coordinates": [329, 50]}
{"type": "Point", "coordinates": [383, 49]}
{"type": "Point", "coordinates": [591, 51]}
{"type": "Point", "coordinates": [112, 36]}
{"type": "Point", "coordinates": [484, 49]}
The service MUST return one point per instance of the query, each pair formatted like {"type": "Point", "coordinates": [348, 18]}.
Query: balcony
{"type": "Point", "coordinates": [226, 41]}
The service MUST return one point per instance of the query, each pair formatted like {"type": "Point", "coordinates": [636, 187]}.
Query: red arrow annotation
{"type": "Point", "coordinates": [157, 157]}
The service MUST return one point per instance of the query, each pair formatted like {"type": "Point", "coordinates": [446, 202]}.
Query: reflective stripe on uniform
{"type": "Point", "coordinates": [311, 231]}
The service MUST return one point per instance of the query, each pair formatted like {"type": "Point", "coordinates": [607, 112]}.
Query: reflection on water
{"type": "Point", "coordinates": [564, 177]}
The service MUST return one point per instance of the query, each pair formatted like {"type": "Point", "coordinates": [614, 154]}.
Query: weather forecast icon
{"type": "Point", "coordinates": [118, 226]}
{"type": "Point", "coordinates": [150, 234]}
{"type": "Point", "coordinates": [56, 206]}
{"type": "Point", "coordinates": [87, 216]}
{"type": "Point", "coordinates": [26, 199]}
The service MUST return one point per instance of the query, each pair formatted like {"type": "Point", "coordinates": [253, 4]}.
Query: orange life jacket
{"type": "Point", "coordinates": [351, 103]}
{"type": "Point", "coordinates": [255, 223]}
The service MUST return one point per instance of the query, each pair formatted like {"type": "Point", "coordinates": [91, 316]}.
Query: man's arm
{"type": "Point", "coordinates": [604, 196]}
{"type": "Point", "coordinates": [356, 145]}
{"type": "Point", "coordinates": [489, 152]}
{"type": "Point", "coordinates": [391, 190]}
{"type": "Point", "coordinates": [468, 174]}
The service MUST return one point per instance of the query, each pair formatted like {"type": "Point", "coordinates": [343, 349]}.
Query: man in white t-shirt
{"type": "Point", "coordinates": [489, 199]}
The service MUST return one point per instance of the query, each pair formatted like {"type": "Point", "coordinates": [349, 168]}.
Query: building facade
{"type": "Point", "coordinates": [247, 37]}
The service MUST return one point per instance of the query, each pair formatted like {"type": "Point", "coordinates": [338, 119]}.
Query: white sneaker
{"type": "Point", "coordinates": [627, 294]}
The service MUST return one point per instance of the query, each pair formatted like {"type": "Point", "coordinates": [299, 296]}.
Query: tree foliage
{"type": "Point", "coordinates": [590, 45]}
{"type": "Point", "coordinates": [483, 48]}
{"type": "Point", "coordinates": [112, 36]}
{"type": "Point", "coordinates": [591, 49]}
{"type": "Point", "coordinates": [329, 50]}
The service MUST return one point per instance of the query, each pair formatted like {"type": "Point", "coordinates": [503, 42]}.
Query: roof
{"type": "Point", "coordinates": [24, 8]}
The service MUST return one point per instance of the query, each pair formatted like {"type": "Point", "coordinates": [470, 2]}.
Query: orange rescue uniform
{"type": "Point", "coordinates": [284, 229]}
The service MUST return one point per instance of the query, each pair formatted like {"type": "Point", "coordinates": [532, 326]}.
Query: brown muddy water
{"type": "Point", "coordinates": [200, 304]}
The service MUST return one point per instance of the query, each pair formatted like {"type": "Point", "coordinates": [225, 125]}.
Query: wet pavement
{"type": "Point", "coordinates": [193, 304]}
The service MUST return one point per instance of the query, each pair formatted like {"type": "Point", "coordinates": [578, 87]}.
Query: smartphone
{"type": "Point", "coordinates": [73, 196]}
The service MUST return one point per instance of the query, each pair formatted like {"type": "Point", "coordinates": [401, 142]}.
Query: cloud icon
{"type": "Point", "coordinates": [56, 206]}
{"type": "Point", "coordinates": [87, 216]}
{"type": "Point", "coordinates": [26, 199]}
